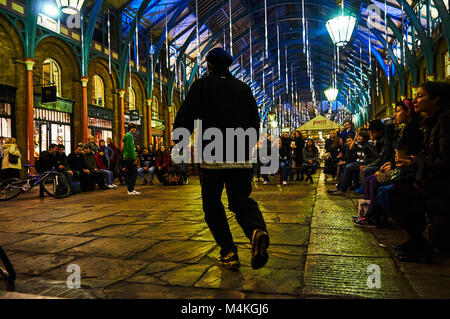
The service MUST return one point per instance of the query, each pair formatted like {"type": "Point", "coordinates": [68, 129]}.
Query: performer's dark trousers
{"type": "Point", "coordinates": [238, 187]}
{"type": "Point", "coordinates": [131, 174]}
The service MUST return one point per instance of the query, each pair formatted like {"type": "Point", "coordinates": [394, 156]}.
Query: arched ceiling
{"type": "Point", "coordinates": [366, 48]}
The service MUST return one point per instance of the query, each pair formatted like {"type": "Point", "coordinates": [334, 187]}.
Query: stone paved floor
{"type": "Point", "coordinates": [158, 246]}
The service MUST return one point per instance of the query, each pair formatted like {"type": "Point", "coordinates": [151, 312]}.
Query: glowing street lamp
{"type": "Point", "coordinates": [70, 6]}
{"type": "Point", "coordinates": [50, 10]}
{"type": "Point", "coordinates": [341, 29]}
{"type": "Point", "coordinates": [273, 120]}
{"type": "Point", "coordinates": [331, 93]}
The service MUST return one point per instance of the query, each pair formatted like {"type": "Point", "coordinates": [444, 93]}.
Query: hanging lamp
{"type": "Point", "coordinates": [331, 93]}
{"type": "Point", "coordinates": [70, 6]}
{"type": "Point", "coordinates": [341, 27]}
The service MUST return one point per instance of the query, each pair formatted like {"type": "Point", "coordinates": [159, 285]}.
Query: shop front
{"type": "Point", "coordinates": [157, 132]}
{"type": "Point", "coordinates": [134, 117]}
{"type": "Point", "coordinates": [53, 124]}
{"type": "Point", "coordinates": [7, 109]}
{"type": "Point", "coordinates": [100, 122]}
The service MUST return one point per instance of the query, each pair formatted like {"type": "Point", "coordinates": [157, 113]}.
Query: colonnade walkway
{"type": "Point", "coordinates": [157, 245]}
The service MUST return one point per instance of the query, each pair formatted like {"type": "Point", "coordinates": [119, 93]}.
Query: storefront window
{"type": "Point", "coordinates": [5, 120]}
{"type": "Point", "coordinates": [99, 91]}
{"type": "Point", "coordinates": [51, 75]}
{"type": "Point", "coordinates": [131, 99]}
{"type": "Point", "coordinates": [155, 108]}
{"type": "Point", "coordinates": [100, 129]}
{"type": "Point", "coordinates": [51, 127]}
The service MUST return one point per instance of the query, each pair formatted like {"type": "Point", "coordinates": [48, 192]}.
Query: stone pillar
{"type": "Point", "coordinates": [149, 121]}
{"type": "Point", "coordinates": [84, 120]}
{"type": "Point", "coordinates": [414, 91]}
{"type": "Point", "coordinates": [30, 111]}
{"type": "Point", "coordinates": [121, 116]}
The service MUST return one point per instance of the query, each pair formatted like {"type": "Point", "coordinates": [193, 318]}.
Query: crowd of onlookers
{"type": "Point", "coordinates": [91, 164]}
{"type": "Point", "coordinates": [402, 166]}
{"type": "Point", "coordinates": [296, 157]}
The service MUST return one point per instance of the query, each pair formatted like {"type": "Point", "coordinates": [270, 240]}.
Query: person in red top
{"type": "Point", "coordinates": [100, 160]}
{"type": "Point", "coordinates": [162, 163]}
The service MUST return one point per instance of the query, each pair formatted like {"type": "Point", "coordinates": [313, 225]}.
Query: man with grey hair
{"type": "Point", "coordinates": [224, 103]}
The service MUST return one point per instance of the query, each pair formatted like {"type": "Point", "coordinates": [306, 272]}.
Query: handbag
{"type": "Point", "coordinates": [13, 159]}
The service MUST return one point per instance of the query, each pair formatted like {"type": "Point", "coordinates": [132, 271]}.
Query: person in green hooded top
{"type": "Point", "coordinates": [129, 160]}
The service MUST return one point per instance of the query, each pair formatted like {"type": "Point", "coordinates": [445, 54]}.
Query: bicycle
{"type": "Point", "coordinates": [7, 272]}
{"type": "Point", "coordinates": [51, 182]}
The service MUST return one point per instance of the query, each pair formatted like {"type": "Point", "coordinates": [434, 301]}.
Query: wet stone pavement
{"type": "Point", "coordinates": [157, 245]}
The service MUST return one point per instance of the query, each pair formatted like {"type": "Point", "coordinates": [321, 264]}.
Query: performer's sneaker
{"type": "Point", "coordinates": [260, 243]}
{"type": "Point", "coordinates": [229, 261]}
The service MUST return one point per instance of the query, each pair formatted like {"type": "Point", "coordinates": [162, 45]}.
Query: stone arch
{"type": "Point", "coordinates": [139, 89]}
{"type": "Point", "coordinates": [12, 49]}
{"type": "Point", "coordinates": [99, 66]}
{"type": "Point", "coordinates": [54, 48]}
{"type": "Point", "coordinates": [13, 73]}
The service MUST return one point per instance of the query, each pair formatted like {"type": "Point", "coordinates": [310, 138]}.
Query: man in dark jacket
{"type": "Point", "coordinates": [383, 145]}
{"type": "Point", "coordinates": [222, 101]}
{"type": "Point", "coordinates": [80, 170]}
{"type": "Point", "coordinates": [365, 153]}
{"type": "Point", "coordinates": [96, 174]}
{"type": "Point", "coordinates": [47, 161]}
{"type": "Point", "coordinates": [63, 164]}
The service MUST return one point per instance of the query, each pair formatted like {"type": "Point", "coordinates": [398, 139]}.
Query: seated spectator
{"type": "Point", "coordinates": [109, 154]}
{"type": "Point", "coordinates": [91, 144]}
{"type": "Point", "coordinates": [310, 160]}
{"type": "Point", "coordinates": [101, 161]}
{"type": "Point", "coordinates": [384, 148]}
{"type": "Point", "coordinates": [180, 169]}
{"type": "Point", "coordinates": [432, 167]}
{"type": "Point", "coordinates": [365, 153]}
{"type": "Point", "coordinates": [162, 163]}
{"type": "Point", "coordinates": [63, 164]}
{"type": "Point", "coordinates": [345, 156]}
{"type": "Point", "coordinates": [147, 165]}
{"type": "Point", "coordinates": [97, 176]}
{"type": "Point", "coordinates": [47, 161]}
{"type": "Point", "coordinates": [81, 172]}
{"type": "Point", "coordinates": [408, 140]}
{"type": "Point", "coordinates": [332, 149]}
{"type": "Point", "coordinates": [114, 161]}
{"type": "Point", "coordinates": [347, 132]}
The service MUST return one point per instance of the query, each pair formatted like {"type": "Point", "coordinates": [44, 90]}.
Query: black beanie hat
{"type": "Point", "coordinates": [219, 58]}
{"type": "Point", "coordinates": [376, 125]}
